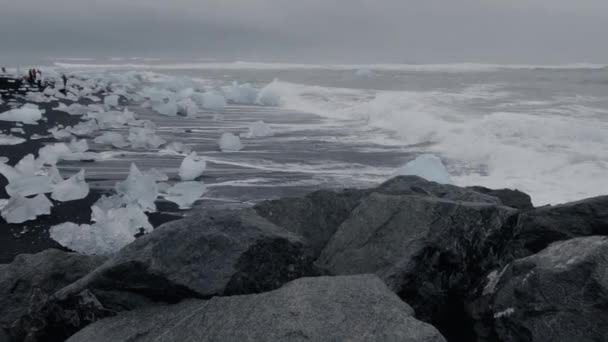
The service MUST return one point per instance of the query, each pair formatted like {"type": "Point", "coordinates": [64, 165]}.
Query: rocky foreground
{"type": "Point", "coordinates": [410, 260]}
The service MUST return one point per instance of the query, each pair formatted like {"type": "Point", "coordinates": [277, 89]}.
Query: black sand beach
{"type": "Point", "coordinates": [33, 236]}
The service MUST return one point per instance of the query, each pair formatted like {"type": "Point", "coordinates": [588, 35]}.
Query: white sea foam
{"type": "Point", "coordinates": [554, 157]}
{"type": "Point", "coordinates": [452, 67]}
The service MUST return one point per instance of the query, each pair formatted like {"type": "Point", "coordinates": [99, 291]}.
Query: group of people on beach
{"type": "Point", "coordinates": [33, 74]}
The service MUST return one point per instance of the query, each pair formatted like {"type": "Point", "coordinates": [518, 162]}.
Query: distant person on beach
{"type": "Point", "coordinates": [65, 81]}
{"type": "Point", "coordinates": [3, 70]}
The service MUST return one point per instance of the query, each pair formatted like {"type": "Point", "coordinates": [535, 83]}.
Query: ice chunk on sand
{"type": "Point", "coordinates": [59, 133]}
{"type": "Point", "coordinates": [169, 109]}
{"type": "Point", "coordinates": [30, 185]}
{"type": "Point", "coordinates": [78, 146]}
{"type": "Point", "coordinates": [51, 154]}
{"type": "Point", "coordinates": [20, 209]}
{"type": "Point", "coordinates": [113, 119]}
{"type": "Point", "coordinates": [27, 166]}
{"type": "Point", "coordinates": [428, 167]}
{"type": "Point", "coordinates": [230, 143]}
{"type": "Point", "coordinates": [49, 91]}
{"type": "Point", "coordinates": [27, 114]}
{"type": "Point", "coordinates": [143, 138]}
{"type": "Point", "coordinates": [106, 203]}
{"type": "Point", "coordinates": [73, 188]}
{"type": "Point", "coordinates": [192, 167]}
{"type": "Point", "coordinates": [113, 230]}
{"type": "Point", "coordinates": [184, 194]}
{"type": "Point", "coordinates": [73, 109]}
{"type": "Point", "coordinates": [10, 140]}
{"type": "Point", "coordinates": [213, 101]}
{"type": "Point", "coordinates": [111, 138]}
{"type": "Point", "coordinates": [111, 101]}
{"type": "Point", "coordinates": [84, 128]}
{"type": "Point", "coordinates": [259, 129]}
{"type": "Point", "coordinates": [9, 172]}
{"type": "Point", "coordinates": [54, 174]}
{"type": "Point", "coordinates": [158, 176]}
{"type": "Point", "coordinates": [138, 189]}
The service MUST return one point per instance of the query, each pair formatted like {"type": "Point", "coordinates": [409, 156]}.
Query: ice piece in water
{"type": "Point", "coordinates": [73, 188]}
{"type": "Point", "coordinates": [184, 194]}
{"type": "Point", "coordinates": [138, 189]}
{"type": "Point", "coordinates": [77, 146]}
{"type": "Point", "coordinates": [243, 93]}
{"type": "Point", "coordinates": [157, 175]}
{"type": "Point", "coordinates": [51, 154]}
{"type": "Point", "coordinates": [143, 138]}
{"type": "Point", "coordinates": [111, 138]}
{"type": "Point", "coordinates": [30, 185]}
{"type": "Point", "coordinates": [27, 114]}
{"type": "Point", "coordinates": [364, 73]}
{"type": "Point", "coordinates": [230, 143]}
{"type": "Point", "coordinates": [10, 140]}
{"type": "Point", "coordinates": [213, 101]}
{"type": "Point", "coordinates": [192, 167]}
{"type": "Point", "coordinates": [187, 107]}
{"type": "Point", "coordinates": [114, 229]}
{"type": "Point", "coordinates": [178, 147]}
{"type": "Point", "coordinates": [111, 101]}
{"type": "Point", "coordinates": [428, 167]}
{"type": "Point", "coordinates": [259, 129]}
{"type": "Point", "coordinates": [20, 209]}
{"type": "Point", "coordinates": [269, 95]}
{"type": "Point", "coordinates": [168, 109]}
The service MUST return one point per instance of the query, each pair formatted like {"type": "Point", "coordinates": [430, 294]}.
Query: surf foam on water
{"type": "Point", "coordinates": [553, 156]}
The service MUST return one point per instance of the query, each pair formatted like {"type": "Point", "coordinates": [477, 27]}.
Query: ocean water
{"type": "Point", "coordinates": [540, 129]}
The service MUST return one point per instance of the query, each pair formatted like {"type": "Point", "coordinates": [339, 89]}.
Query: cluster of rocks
{"type": "Point", "coordinates": [410, 260]}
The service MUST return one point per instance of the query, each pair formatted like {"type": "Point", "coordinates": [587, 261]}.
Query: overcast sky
{"type": "Point", "coordinates": [422, 31]}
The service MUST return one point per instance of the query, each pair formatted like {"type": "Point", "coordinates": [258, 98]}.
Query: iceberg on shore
{"type": "Point", "coordinates": [428, 167]}
{"type": "Point", "coordinates": [230, 143]}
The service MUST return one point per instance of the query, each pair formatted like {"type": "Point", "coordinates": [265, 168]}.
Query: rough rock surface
{"type": "Point", "coordinates": [559, 294]}
{"type": "Point", "coordinates": [510, 198]}
{"type": "Point", "coordinates": [43, 273]}
{"type": "Point", "coordinates": [316, 217]}
{"type": "Point", "coordinates": [540, 227]}
{"type": "Point", "coordinates": [429, 250]}
{"type": "Point", "coordinates": [216, 252]}
{"type": "Point", "coordinates": [413, 185]}
{"type": "Point", "coordinates": [355, 308]}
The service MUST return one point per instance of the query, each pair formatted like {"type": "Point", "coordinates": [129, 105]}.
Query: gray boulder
{"type": "Point", "coordinates": [538, 228]}
{"type": "Point", "coordinates": [217, 252]}
{"type": "Point", "coordinates": [430, 251]}
{"type": "Point", "coordinates": [510, 198]}
{"type": "Point", "coordinates": [324, 309]}
{"type": "Point", "coordinates": [315, 216]}
{"type": "Point", "coordinates": [43, 273]}
{"type": "Point", "coordinates": [416, 186]}
{"type": "Point", "coordinates": [559, 294]}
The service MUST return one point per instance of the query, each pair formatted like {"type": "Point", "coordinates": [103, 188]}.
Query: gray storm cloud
{"type": "Point", "coordinates": [516, 31]}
